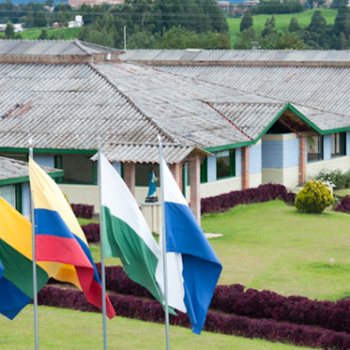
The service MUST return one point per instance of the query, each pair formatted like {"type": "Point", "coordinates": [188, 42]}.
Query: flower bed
{"type": "Point", "coordinates": [344, 205]}
{"type": "Point", "coordinates": [92, 232]}
{"type": "Point", "coordinates": [152, 311]}
{"type": "Point", "coordinates": [263, 193]}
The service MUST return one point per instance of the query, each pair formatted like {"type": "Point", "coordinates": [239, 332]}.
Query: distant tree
{"type": "Point", "coordinates": [318, 23]}
{"type": "Point", "coordinates": [246, 40]}
{"type": "Point", "coordinates": [246, 22]}
{"type": "Point", "coordinates": [53, 37]}
{"type": "Point", "coordinates": [18, 36]}
{"type": "Point", "coordinates": [342, 21]}
{"type": "Point", "coordinates": [293, 25]}
{"type": "Point", "coordinates": [290, 42]}
{"type": "Point", "coordinates": [100, 38]}
{"type": "Point", "coordinates": [62, 35]}
{"type": "Point", "coordinates": [40, 19]}
{"type": "Point", "coordinates": [269, 27]}
{"type": "Point", "coordinates": [23, 19]}
{"type": "Point", "coordinates": [49, 3]}
{"type": "Point", "coordinates": [61, 17]}
{"type": "Point", "coordinates": [43, 35]}
{"type": "Point", "coordinates": [30, 18]}
{"type": "Point", "coordinates": [9, 31]}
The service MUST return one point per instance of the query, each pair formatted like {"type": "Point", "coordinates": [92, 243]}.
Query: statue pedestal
{"type": "Point", "coordinates": [153, 215]}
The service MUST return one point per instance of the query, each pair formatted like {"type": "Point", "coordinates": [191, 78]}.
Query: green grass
{"type": "Point", "coordinates": [33, 33]}
{"type": "Point", "coordinates": [86, 221]}
{"type": "Point", "coordinates": [272, 246]}
{"type": "Point", "coordinates": [282, 21]}
{"type": "Point", "coordinates": [73, 330]}
{"type": "Point", "coordinates": [342, 193]}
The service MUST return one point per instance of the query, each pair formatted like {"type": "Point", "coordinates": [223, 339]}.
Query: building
{"type": "Point", "coordinates": [78, 23]}
{"type": "Point", "coordinates": [229, 120]}
{"type": "Point", "coordinates": [14, 182]}
{"type": "Point", "coordinates": [78, 3]}
{"type": "Point", "coordinates": [224, 5]}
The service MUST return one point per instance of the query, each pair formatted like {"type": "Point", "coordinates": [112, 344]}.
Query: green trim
{"type": "Point", "coordinates": [252, 142]}
{"type": "Point", "coordinates": [49, 150]}
{"type": "Point", "coordinates": [18, 189]}
{"type": "Point", "coordinates": [94, 175]}
{"type": "Point", "coordinates": [232, 163]}
{"type": "Point", "coordinates": [204, 171]}
{"type": "Point", "coordinates": [22, 179]}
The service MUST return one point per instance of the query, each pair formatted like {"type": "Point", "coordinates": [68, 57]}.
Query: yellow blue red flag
{"type": "Point", "coordinates": [60, 239]}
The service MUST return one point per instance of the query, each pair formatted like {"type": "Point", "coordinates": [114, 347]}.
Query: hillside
{"type": "Point", "coordinates": [34, 33]}
{"type": "Point", "coordinates": [282, 21]}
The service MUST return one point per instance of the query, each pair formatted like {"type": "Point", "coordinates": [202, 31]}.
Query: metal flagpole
{"type": "Point", "coordinates": [35, 291]}
{"type": "Point", "coordinates": [103, 273]}
{"type": "Point", "coordinates": [165, 269]}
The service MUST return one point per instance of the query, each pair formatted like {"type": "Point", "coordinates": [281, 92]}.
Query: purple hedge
{"type": "Point", "coordinates": [231, 325]}
{"type": "Point", "coordinates": [344, 205]}
{"type": "Point", "coordinates": [83, 211]}
{"type": "Point", "coordinates": [251, 303]}
{"type": "Point", "coordinates": [263, 193]}
{"type": "Point", "coordinates": [92, 232]}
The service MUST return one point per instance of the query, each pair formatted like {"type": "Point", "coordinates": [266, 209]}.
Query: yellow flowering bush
{"type": "Point", "coordinates": [314, 198]}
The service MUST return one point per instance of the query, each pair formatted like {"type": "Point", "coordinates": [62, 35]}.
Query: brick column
{"type": "Point", "coordinates": [176, 170]}
{"type": "Point", "coordinates": [245, 168]}
{"type": "Point", "coordinates": [195, 182]}
{"type": "Point", "coordinates": [129, 176]}
{"type": "Point", "coordinates": [302, 159]}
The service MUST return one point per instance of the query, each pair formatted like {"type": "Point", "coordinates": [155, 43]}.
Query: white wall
{"type": "Point", "coordinates": [288, 177]}
{"type": "Point", "coordinates": [215, 188]}
{"type": "Point", "coordinates": [313, 168]}
{"type": "Point", "coordinates": [255, 180]}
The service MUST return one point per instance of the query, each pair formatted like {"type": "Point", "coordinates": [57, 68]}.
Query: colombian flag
{"type": "Point", "coordinates": [60, 239]}
{"type": "Point", "coordinates": [16, 284]}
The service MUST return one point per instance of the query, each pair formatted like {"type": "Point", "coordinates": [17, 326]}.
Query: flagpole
{"type": "Point", "coordinates": [103, 273]}
{"type": "Point", "coordinates": [165, 269]}
{"type": "Point", "coordinates": [35, 291]}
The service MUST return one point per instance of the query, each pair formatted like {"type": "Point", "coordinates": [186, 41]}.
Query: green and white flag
{"type": "Point", "coordinates": [125, 232]}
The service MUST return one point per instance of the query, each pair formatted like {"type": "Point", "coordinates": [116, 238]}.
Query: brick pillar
{"type": "Point", "coordinates": [129, 176]}
{"type": "Point", "coordinates": [195, 182]}
{"type": "Point", "coordinates": [245, 168]}
{"type": "Point", "coordinates": [176, 170]}
{"type": "Point", "coordinates": [302, 159]}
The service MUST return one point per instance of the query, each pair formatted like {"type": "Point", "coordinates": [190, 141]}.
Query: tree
{"type": "Point", "coordinates": [341, 22]}
{"type": "Point", "coordinates": [293, 25]}
{"type": "Point", "coordinates": [43, 35]}
{"type": "Point", "coordinates": [290, 42]}
{"type": "Point", "coordinates": [100, 38]}
{"type": "Point", "coordinates": [30, 18]}
{"type": "Point", "coordinates": [318, 23]}
{"type": "Point", "coordinates": [246, 40]}
{"type": "Point", "coordinates": [40, 19]}
{"type": "Point", "coordinates": [269, 27]}
{"type": "Point", "coordinates": [9, 32]}
{"type": "Point", "coordinates": [61, 17]}
{"type": "Point", "coordinates": [246, 22]}
{"type": "Point", "coordinates": [62, 35]}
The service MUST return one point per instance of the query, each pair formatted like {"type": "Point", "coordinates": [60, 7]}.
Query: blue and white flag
{"type": "Point", "coordinates": [193, 267]}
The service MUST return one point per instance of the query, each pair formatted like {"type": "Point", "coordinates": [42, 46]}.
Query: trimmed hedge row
{"type": "Point", "coordinates": [251, 303]}
{"type": "Point", "coordinates": [83, 211]}
{"type": "Point", "coordinates": [152, 311]}
{"type": "Point", "coordinates": [92, 232]}
{"type": "Point", "coordinates": [344, 205]}
{"type": "Point", "coordinates": [263, 193]}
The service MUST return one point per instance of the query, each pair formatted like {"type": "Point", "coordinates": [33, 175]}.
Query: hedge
{"type": "Point", "coordinates": [344, 205]}
{"type": "Point", "coordinates": [263, 193]}
{"type": "Point", "coordinates": [251, 303]}
{"type": "Point", "coordinates": [83, 211]}
{"type": "Point", "coordinates": [152, 311]}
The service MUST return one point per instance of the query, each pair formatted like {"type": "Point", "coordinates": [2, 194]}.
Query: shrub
{"type": "Point", "coordinates": [344, 205]}
{"type": "Point", "coordinates": [263, 193]}
{"type": "Point", "coordinates": [334, 177]}
{"type": "Point", "coordinates": [92, 232]}
{"type": "Point", "coordinates": [314, 198]}
{"type": "Point", "coordinates": [231, 325]}
{"type": "Point", "coordinates": [83, 211]}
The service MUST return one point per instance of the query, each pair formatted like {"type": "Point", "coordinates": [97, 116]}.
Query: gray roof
{"type": "Point", "coordinates": [147, 153]}
{"type": "Point", "coordinates": [326, 88]}
{"type": "Point", "coordinates": [217, 56]}
{"type": "Point", "coordinates": [66, 107]}
{"type": "Point", "coordinates": [51, 47]}
{"type": "Point", "coordinates": [12, 169]}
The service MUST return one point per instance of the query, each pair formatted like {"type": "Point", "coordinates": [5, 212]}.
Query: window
{"type": "Point", "coordinates": [338, 144]}
{"type": "Point", "coordinates": [225, 164]}
{"type": "Point", "coordinates": [314, 148]}
{"type": "Point", "coordinates": [204, 171]}
{"type": "Point", "coordinates": [185, 177]}
{"type": "Point", "coordinates": [77, 169]}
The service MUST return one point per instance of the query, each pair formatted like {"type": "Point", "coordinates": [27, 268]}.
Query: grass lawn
{"type": "Point", "coordinates": [72, 330]}
{"type": "Point", "coordinates": [272, 246]}
{"type": "Point", "coordinates": [34, 33]}
{"type": "Point", "coordinates": [86, 221]}
{"type": "Point", "coordinates": [342, 193]}
{"type": "Point", "coordinates": [282, 21]}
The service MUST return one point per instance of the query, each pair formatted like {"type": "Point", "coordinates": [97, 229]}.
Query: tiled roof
{"type": "Point", "coordinates": [66, 107]}
{"type": "Point", "coordinates": [12, 169]}
{"type": "Point", "coordinates": [277, 56]}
